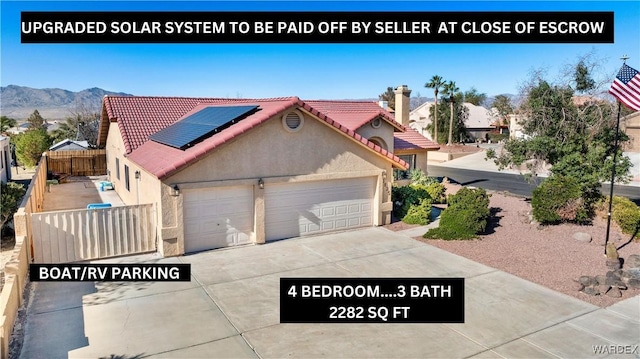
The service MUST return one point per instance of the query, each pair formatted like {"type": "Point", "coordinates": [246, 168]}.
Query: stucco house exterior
{"type": "Point", "coordinates": [282, 168]}
{"type": "Point", "coordinates": [5, 159]}
{"type": "Point", "coordinates": [480, 122]}
{"type": "Point", "coordinates": [631, 126]}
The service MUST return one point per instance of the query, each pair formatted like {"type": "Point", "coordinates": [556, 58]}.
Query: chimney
{"type": "Point", "coordinates": [402, 104]}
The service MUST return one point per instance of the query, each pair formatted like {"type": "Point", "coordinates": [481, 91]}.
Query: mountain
{"type": "Point", "coordinates": [53, 103]}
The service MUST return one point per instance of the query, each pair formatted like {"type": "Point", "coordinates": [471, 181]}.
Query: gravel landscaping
{"type": "Point", "coordinates": [547, 255]}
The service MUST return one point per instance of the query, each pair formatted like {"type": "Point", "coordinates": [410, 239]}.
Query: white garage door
{"type": "Point", "coordinates": [298, 209]}
{"type": "Point", "coordinates": [217, 217]}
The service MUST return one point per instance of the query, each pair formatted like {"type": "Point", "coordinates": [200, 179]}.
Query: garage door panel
{"type": "Point", "coordinates": [297, 209]}
{"type": "Point", "coordinates": [217, 217]}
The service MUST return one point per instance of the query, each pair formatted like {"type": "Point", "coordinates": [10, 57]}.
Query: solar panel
{"type": "Point", "coordinates": [200, 125]}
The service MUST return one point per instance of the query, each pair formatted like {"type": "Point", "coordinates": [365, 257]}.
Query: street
{"type": "Point", "coordinates": [513, 183]}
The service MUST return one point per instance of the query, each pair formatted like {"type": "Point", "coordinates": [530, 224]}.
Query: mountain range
{"type": "Point", "coordinates": [19, 102]}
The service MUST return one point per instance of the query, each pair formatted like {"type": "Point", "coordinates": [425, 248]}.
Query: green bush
{"type": "Point", "coordinates": [418, 177]}
{"type": "Point", "coordinates": [11, 194]}
{"type": "Point", "coordinates": [437, 192]}
{"type": "Point", "coordinates": [626, 214]}
{"type": "Point", "coordinates": [465, 217]}
{"type": "Point", "coordinates": [496, 137]}
{"type": "Point", "coordinates": [419, 213]}
{"type": "Point", "coordinates": [559, 199]}
{"type": "Point", "coordinates": [406, 196]}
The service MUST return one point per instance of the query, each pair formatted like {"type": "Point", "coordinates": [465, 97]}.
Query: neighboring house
{"type": "Point", "coordinates": [410, 145]}
{"type": "Point", "coordinates": [70, 145]}
{"type": "Point", "coordinates": [479, 123]}
{"type": "Point", "coordinates": [5, 159]}
{"type": "Point", "coordinates": [515, 127]}
{"type": "Point", "coordinates": [631, 125]}
{"type": "Point", "coordinates": [225, 172]}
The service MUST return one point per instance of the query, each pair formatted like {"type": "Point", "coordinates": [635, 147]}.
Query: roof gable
{"type": "Point", "coordinates": [355, 114]}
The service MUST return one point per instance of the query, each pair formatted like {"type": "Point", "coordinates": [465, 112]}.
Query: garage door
{"type": "Point", "coordinates": [217, 217]}
{"type": "Point", "coordinates": [299, 209]}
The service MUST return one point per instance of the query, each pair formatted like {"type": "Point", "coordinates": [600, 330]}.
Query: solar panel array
{"type": "Point", "coordinates": [200, 125]}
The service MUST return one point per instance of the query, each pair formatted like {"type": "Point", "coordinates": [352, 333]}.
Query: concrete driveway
{"type": "Point", "coordinates": [230, 309]}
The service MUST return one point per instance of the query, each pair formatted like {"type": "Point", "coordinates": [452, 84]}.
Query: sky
{"type": "Point", "coordinates": [309, 71]}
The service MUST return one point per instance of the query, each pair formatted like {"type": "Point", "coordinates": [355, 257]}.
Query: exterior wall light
{"type": "Point", "coordinates": [261, 183]}
{"type": "Point", "coordinates": [137, 174]}
{"type": "Point", "coordinates": [175, 190]}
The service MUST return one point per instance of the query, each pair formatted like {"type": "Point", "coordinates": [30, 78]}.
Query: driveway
{"type": "Point", "coordinates": [230, 309]}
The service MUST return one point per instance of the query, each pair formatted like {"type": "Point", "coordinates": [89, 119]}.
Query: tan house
{"type": "Point", "coordinates": [631, 125]}
{"type": "Point", "coordinates": [225, 172]}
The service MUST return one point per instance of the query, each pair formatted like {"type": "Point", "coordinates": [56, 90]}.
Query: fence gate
{"type": "Point", "coordinates": [77, 235]}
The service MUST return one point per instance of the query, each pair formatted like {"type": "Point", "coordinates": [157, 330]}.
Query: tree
{"type": "Point", "coordinates": [474, 97]}
{"type": "Point", "coordinates": [460, 115]}
{"type": "Point", "coordinates": [6, 123]}
{"type": "Point", "coordinates": [575, 137]}
{"type": "Point", "coordinates": [11, 196]}
{"type": "Point", "coordinates": [450, 89]}
{"type": "Point", "coordinates": [30, 146]}
{"type": "Point", "coordinates": [389, 96]}
{"type": "Point", "coordinates": [35, 121]}
{"type": "Point", "coordinates": [435, 83]}
{"type": "Point", "coordinates": [503, 106]}
{"type": "Point", "coordinates": [82, 125]}
{"type": "Point", "coordinates": [584, 81]}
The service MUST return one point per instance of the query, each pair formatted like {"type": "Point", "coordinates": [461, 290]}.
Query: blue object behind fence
{"type": "Point", "coordinates": [98, 205]}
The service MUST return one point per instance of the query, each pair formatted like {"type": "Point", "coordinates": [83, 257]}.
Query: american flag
{"type": "Point", "coordinates": [626, 87]}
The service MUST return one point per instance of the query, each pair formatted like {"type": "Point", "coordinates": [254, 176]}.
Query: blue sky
{"type": "Point", "coordinates": [309, 71]}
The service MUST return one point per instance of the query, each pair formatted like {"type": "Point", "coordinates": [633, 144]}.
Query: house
{"type": "Point", "coordinates": [480, 122]}
{"type": "Point", "coordinates": [70, 145]}
{"type": "Point", "coordinates": [631, 125]}
{"type": "Point", "coordinates": [515, 127]}
{"type": "Point", "coordinates": [411, 146]}
{"type": "Point", "coordinates": [5, 159]}
{"type": "Point", "coordinates": [225, 172]}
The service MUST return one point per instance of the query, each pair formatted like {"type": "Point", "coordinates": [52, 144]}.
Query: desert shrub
{"type": "Point", "coordinates": [419, 213]}
{"type": "Point", "coordinates": [11, 194]}
{"type": "Point", "coordinates": [496, 137]}
{"type": "Point", "coordinates": [559, 199]}
{"type": "Point", "coordinates": [437, 192]}
{"type": "Point", "coordinates": [465, 217]}
{"type": "Point", "coordinates": [626, 214]}
{"type": "Point", "coordinates": [404, 197]}
{"type": "Point", "coordinates": [418, 177]}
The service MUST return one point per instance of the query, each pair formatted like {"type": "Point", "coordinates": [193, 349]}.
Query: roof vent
{"type": "Point", "coordinates": [292, 121]}
{"type": "Point", "coordinates": [376, 123]}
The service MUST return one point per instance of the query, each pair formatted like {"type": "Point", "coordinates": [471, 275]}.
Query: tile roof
{"type": "Point", "coordinates": [139, 117]}
{"type": "Point", "coordinates": [354, 114]}
{"type": "Point", "coordinates": [412, 140]}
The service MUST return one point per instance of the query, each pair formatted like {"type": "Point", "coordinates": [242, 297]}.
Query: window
{"type": "Point", "coordinates": [400, 174]}
{"type": "Point", "coordinates": [126, 177]}
{"type": "Point", "coordinates": [117, 168]}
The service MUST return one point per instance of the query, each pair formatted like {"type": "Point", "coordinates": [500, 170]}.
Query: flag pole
{"type": "Point", "coordinates": [613, 170]}
{"type": "Point", "coordinates": [613, 176]}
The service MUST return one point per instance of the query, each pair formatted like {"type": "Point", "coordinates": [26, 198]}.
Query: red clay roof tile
{"type": "Point", "coordinates": [139, 117]}
{"type": "Point", "coordinates": [412, 140]}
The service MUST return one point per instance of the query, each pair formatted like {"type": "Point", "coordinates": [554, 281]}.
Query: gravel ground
{"type": "Point", "coordinates": [547, 255]}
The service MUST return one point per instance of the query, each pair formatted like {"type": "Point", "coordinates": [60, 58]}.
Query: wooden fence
{"type": "Point", "coordinates": [78, 163]}
{"type": "Point", "coordinates": [77, 235]}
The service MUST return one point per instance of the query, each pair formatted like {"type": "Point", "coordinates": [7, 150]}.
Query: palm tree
{"type": "Point", "coordinates": [450, 89]}
{"type": "Point", "coordinates": [435, 83]}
